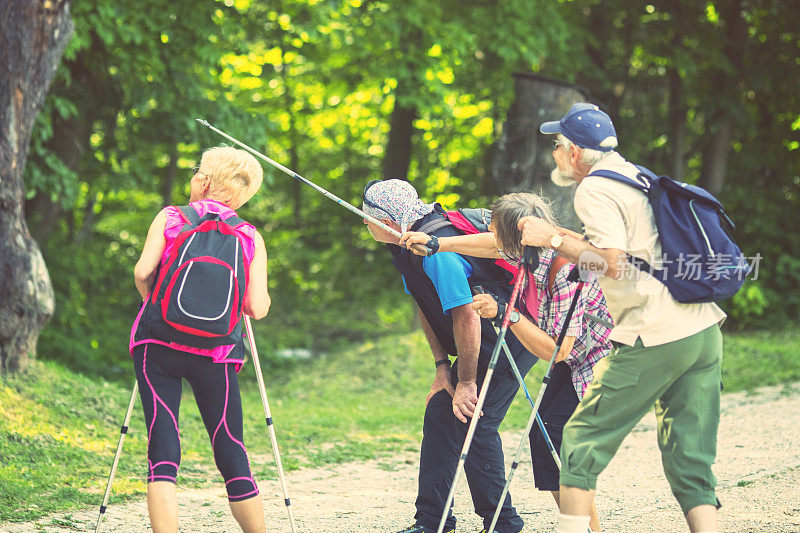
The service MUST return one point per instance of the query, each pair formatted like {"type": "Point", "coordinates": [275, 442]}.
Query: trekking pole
{"type": "Point", "coordinates": [529, 261]}
{"type": "Point", "coordinates": [574, 275]}
{"type": "Point", "coordinates": [421, 248]}
{"type": "Point", "coordinates": [270, 425]}
{"type": "Point", "coordinates": [546, 436]}
{"type": "Point", "coordinates": [122, 432]}
{"type": "Point", "coordinates": [547, 440]}
{"type": "Point", "coordinates": [479, 290]}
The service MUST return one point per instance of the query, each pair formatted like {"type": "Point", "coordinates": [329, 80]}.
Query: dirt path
{"type": "Point", "coordinates": [758, 470]}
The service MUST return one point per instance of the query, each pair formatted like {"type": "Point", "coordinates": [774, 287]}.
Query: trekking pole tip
{"type": "Point", "coordinates": [203, 122]}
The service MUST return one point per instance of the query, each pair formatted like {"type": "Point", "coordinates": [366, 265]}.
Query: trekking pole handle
{"type": "Point", "coordinates": [530, 258]}
{"type": "Point", "coordinates": [421, 248]}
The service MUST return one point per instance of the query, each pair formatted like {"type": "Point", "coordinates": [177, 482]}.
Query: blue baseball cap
{"type": "Point", "coordinates": [585, 125]}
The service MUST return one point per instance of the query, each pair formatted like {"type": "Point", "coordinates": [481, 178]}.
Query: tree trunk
{"type": "Point", "coordinates": [715, 156]}
{"type": "Point", "coordinates": [88, 221]}
{"type": "Point", "coordinates": [523, 156]}
{"type": "Point", "coordinates": [398, 148]}
{"type": "Point", "coordinates": [33, 35]}
{"type": "Point", "coordinates": [677, 125]}
{"type": "Point", "coordinates": [726, 87]}
{"type": "Point", "coordinates": [44, 214]}
{"type": "Point", "coordinates": [677, 106]}
{"type": "Point", "coordinates": [70, 142]}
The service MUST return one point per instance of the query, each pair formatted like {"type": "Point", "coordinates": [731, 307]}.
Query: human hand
{"type": "Point", "coordinates": [465, 399]}
{"type": "Point", "coordinates": [535, 231]}
{"type": "Point", "coordinates": [410, 238]}
{"type": "Point", "coordinates": [441, 381]}
{"type": "Point", "coordinates": [484, 305]}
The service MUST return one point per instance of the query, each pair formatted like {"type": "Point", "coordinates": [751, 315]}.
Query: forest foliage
{"type": "Point", "coordinates": [346, 91]}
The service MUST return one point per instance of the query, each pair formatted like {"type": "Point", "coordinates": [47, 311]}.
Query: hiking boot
{"type": "Point", "coordinates": [422, 529]}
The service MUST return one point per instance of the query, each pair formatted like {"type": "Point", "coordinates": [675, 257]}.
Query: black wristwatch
{"type": "Point", "coordinates": [433, 244]}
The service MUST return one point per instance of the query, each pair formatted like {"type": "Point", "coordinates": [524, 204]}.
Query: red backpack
{"type": "Point", "coordinates": [199, 290]}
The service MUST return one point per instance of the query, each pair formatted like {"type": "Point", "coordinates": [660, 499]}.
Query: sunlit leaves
{"type": "Point", "coordinates": [483, 128]}
{"type": "Point", "coordinates": [711, 13]}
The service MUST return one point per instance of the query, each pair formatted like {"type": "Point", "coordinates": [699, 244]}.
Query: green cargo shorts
{"type": "Point", "coordinates": [682, 378]}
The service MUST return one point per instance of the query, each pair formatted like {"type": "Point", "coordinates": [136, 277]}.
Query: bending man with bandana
{"type": "Point", "coordinates": [440, 285]}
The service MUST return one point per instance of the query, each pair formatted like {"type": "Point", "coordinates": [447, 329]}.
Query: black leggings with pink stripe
{"type": "Point", "coordinates": [159, 371]}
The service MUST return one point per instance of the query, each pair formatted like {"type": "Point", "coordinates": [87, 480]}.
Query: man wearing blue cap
{"type": "Point", "coordinates": [665, 353]}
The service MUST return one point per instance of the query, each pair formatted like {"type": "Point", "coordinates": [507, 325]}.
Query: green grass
{"type": "Point", "coordinates": [755, 359]}
{"type": "Point", "coordinates": [59, 429]}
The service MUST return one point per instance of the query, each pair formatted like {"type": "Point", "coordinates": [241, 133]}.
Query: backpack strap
{"type": "Point", "coordinates": [193, 219]}
{"type": "Point", "coordinates": [642, 181]}
{"type": "Point", "coordinates": [433, 225]}
{"type": "Point", "coordinates": [555, 266]}
{"type": "Point", "coordinates": [644, 266]}
{"type": "Point", "coordinates": [190, 215]}
{"type": "Point", "coordinates": [234, 221]}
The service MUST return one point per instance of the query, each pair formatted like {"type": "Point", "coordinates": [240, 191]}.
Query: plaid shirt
{"type": "Point", "coordinates": [588, 334]}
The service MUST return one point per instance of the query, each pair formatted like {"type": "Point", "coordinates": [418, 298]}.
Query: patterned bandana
{"type": "Point", "coordinates": [396, 200]}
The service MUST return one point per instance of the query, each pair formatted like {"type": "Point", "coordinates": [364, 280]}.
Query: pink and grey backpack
{"type": "Point", "coordinates": [199, 289]}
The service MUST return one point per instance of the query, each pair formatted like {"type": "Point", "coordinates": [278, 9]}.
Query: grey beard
{"type": "Point", "coordinates": [562, 178]}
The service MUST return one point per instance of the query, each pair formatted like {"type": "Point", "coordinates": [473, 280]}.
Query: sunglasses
{"type": "Point", "coordinates": [556, 143]}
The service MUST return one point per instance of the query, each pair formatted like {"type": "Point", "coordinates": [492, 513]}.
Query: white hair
{"type": "Point", "coordinates": [588, 156]}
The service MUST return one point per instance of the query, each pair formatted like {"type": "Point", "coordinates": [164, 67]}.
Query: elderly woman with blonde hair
{"type": "Point", "coordinates": [164, 355]}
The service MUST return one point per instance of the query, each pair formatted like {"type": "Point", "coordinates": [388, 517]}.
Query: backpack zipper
{"type": "Point", "coordinates": [186, 248]}
{"type": "Point", "coordinates": [185, 312]}
{"type": "Point", "coordinates": [702, 230]}
{"type": "Point", "coordinates": [186, 274]}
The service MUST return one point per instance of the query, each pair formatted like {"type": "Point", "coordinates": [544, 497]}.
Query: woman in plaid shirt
{"type": "Point", "coordinates": [542, 318]}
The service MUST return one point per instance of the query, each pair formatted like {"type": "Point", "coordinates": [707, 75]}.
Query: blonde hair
{"type": "Point", "coordinates": [235, 175]}
{"type": "Point", "coordinates": [506, 212]}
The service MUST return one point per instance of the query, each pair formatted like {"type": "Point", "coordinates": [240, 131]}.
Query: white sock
{"type": "Point", "coordinates": [572, 524]}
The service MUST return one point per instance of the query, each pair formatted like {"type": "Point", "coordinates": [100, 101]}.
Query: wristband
{"type": "Point", "coordinates": [441, 362]}
{"type": "Point", "coordinates": [501, 312]}
{"type": "Point", "coordinates": [433, 244]}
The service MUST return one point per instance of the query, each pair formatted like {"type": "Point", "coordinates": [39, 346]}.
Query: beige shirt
{"type": "Point", "coordinates": [616, 215]}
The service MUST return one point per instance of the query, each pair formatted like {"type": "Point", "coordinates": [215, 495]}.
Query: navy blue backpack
{"type": "Point", "coordinates": [701, 261]}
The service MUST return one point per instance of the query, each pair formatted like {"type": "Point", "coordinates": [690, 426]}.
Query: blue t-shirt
{"type": "Point", "coordinates": [449, 273]}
